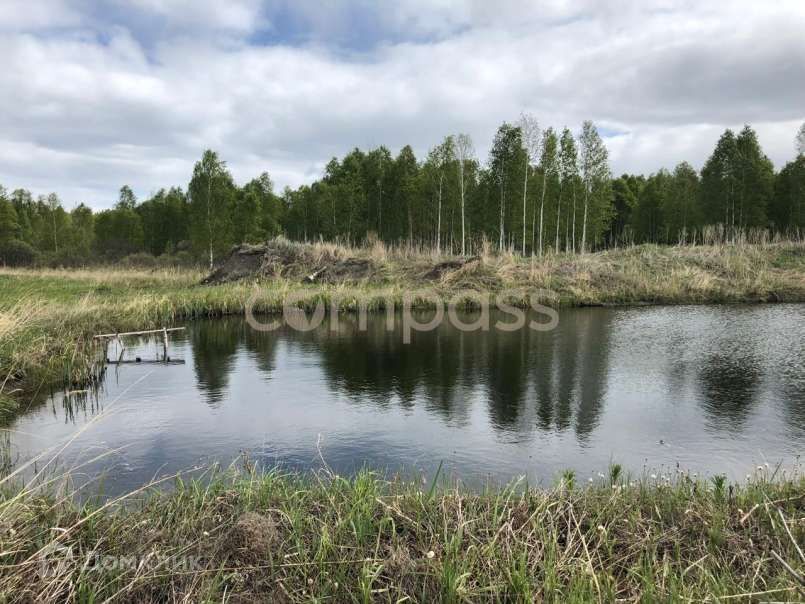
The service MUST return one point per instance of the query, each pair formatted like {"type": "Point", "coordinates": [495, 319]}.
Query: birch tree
{"type": "Point", "coordinates": [568, 174]}
{"type": "Point", "coordinates": [530, 135]}
{"type": "Point", "coordinates": [594, 169]}
{"type": "Point", "coordinates": [464, 152]}
{"type": "Point", "coordinates": [54, 204]}
{"type": "Point", "coordinates": [800, 140]}
{"type": "Point", "coordinates": [547, 163]}
{"type": "Point", "coordinates": [210, 190]}
{"type": "Point", "coordinates": [440, 157]}
{"type": "Point", "coordinates": [502, 160]}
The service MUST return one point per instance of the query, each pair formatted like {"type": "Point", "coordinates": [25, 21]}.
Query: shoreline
{"type": "Point", "coordinates": [48, 316]}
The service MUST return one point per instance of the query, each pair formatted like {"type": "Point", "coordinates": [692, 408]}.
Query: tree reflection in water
{"type": "Point", "coordinates": [528, 379]}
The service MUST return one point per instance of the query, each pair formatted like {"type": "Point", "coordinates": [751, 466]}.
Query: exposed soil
{"type": "Point", "coordinates": [275, 258]}
{"type": "Point", "coordinates": [448, 266]}
{"type": "Point", "coordinates": [243, 261]}
{"type": "Point", "coordinates": [350, 269]}
{"type": "Point", "coordinates": [298, 261]}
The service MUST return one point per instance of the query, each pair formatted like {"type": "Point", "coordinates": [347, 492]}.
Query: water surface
{"type": "Point", "coordinates": [715, 389]}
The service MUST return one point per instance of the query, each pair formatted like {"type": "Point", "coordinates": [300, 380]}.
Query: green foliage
{"type": "Point", "coordinates": [506, 163]}
{"type": "Point", "coordinates": [211, 192]}
{"type": "Point", "coordinates": [543, 221]}
{"type": "Point", "coordinates": [717, 193]}
{"type": "Point", "coordinates": [737, 182]}
{"type": "Point", "coordinates": [625, 191]}
{"type": "Point", "coordinates": [436, 172]}
{"type": "Point", "coordinates": [566, 214]}
{"type": "Point", "coordinates": [14, 252]}
{"type": "Point", "coordinates": [597, 188]}
{"type": "Point", "coordinates": [165, 219]}
{"type": "Point", "coordinates": [719, 486]}
{"type": "Point", "coordinates": [82, 235]}
{"type": "Point", "coordinates": [787, 210]}
{"type": "Point", "coordinates": [9, 225]}
{"type": "Point", "coordinates": [405, 193]}
{"type": "Point", "coordinates": [119, 232]}
{"type": "Point", "coordinates": [681, 212]}
{"type": "Point", "coordinates": [538, 191]}
{"type": "Point", "coordinates": [648, 219]}
{"type": "Point", "coordinates": [756, 180]}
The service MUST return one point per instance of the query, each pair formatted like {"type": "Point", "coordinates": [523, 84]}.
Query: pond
{"type": "Point", "coordinates": [709, 389]}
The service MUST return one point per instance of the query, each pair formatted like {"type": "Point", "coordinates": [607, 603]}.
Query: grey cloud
{"type": "Point", "coordinates": [715, 78]}
{"type": "Point", "coordinates": [82, 114]}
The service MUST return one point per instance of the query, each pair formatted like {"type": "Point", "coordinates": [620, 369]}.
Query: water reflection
{"type": "Point", "coordinates": [550, 381]}
{"type": "Point", "coordinates": [515, 373]}
{"type": "Point", "coordinates": [712, 388]}
{"type": "Point", "coordinates": [729, 386]}
{"type": "Point", "coordinates": [215, 344]}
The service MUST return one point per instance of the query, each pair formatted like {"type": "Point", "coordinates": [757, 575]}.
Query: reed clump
{"type": "Point", "coordinates": [274, 536]}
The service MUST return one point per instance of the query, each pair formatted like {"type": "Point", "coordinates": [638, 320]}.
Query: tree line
{"type": "Point", "coordinates": [539, 191]}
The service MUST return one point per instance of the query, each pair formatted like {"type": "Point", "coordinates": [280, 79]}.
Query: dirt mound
{"type": "Point", "coordinates": [441, 269]}
{"type": "Point", "coordinates": [282, 258]}
{"type": "Point", "coordinates": [350, 269]}
{"type": "Point", "coordinates": [253, 537]}
{"type": "Point", "coordinates": [243, 261]}
{"type": "Point", "coordinates": [315, 263]}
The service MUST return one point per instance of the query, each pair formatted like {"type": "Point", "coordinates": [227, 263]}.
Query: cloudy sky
{"type": "Point", "coordinates": [98, 93]}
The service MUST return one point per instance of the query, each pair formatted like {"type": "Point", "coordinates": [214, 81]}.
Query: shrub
{"type": "Point", "coordinates": [185, 258]}
{"type": "Point", "coordinates": [139, 260]}
{"type": "Point", "coordinates": [17, 253]}
{"type": "Point", "coordinates": [62, 259]}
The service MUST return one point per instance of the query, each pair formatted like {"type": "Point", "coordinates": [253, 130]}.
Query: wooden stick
{"type": "Point", "coordinates": [787, 567]}
{"type": "Point", "coordinates": [147, 362]}
{"type": "Point", "coordinates": [137, 333]}
{"type": "Point", "coordinates": [787, 530]}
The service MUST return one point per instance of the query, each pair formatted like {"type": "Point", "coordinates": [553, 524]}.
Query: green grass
{"type": "Point", "coordinates": [320, 537]}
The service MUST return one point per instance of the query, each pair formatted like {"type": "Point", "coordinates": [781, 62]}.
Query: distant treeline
{"type": "Point", "coordinates": [540, 190]}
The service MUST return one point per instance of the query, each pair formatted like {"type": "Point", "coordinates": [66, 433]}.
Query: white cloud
{"type": "Point", "coordinates": [16, 15]}
{"type": "Point", "coordinates": [236, 15]}
{"type": "Point", "coordinates": [83, 113]}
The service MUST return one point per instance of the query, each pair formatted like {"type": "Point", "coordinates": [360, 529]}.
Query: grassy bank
{"type": "Point", "coordinates": [275, 537]}
{"type": "Point", "coordinates": [47, 317]}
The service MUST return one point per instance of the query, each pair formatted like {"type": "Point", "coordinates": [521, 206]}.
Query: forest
{"type": "Point", "coordinates": [539, 191]}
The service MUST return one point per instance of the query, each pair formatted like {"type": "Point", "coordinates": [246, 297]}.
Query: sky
{"type": "Point", "coordinates": [97, 94]}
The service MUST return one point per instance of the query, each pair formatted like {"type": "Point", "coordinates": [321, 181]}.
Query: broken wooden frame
{"type": "Point", "coordinates": [165, 360]}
